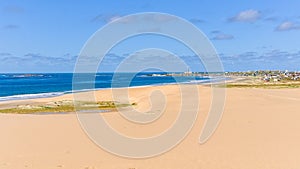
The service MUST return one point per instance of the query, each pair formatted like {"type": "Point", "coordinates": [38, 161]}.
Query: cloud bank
{"type": "Point", "coordinates": [287, 26]}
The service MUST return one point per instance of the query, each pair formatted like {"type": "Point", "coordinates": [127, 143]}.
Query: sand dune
{"type": "Point", "coordinates": [259, 129]}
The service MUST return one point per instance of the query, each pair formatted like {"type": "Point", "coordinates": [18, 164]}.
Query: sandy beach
{"type": "Point", "coordinates": [259, 129]}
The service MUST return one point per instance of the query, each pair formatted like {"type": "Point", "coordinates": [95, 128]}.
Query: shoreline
{"type": "Point", "coordinates": [60, 93]}
{"type": "Point", "coordinates": [42, 102]}
{"type": "Point", "coordinates": [68, 97]}
{"type": "Point", "coordinates": [230, 82]}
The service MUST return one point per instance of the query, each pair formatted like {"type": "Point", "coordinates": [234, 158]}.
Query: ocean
{"type": "Point", "coordinates": [27, 86]}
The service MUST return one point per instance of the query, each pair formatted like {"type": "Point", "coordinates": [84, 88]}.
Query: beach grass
{"type": "Point", "coordinates": [64, 107]}
{"type": "Point", "coordinates": [263, 85]}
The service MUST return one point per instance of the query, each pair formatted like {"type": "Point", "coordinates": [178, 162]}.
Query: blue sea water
{"type": "Point", "coordinates": [24, 86]}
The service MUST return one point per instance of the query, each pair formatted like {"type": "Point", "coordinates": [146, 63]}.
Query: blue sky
{"type": "Point", "coordinates": [46, 36]}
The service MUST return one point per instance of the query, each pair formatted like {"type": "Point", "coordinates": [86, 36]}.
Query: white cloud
{"type": "Point", "coordinates": [250, 15]}
{"type": "Point", "coordinates": [223, 37]}
{"type": "Point", "coordinates": [219, 35]}
{"type": "Point", "coordinates": [267, 60]}
{"type": "Point", "coordinates": [286, 26]}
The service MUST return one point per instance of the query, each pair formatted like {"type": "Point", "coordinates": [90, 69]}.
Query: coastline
{"type": "Point", "coordinates": [102, 95]}
{"type": "Point", "coordinates": [28, 86]}
{"type": "Point", "coordinates": [55, 94]}
{"type": "Point", "coordinates": [230, 82]}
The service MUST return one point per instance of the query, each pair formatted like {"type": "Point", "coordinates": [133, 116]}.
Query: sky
{"type": "Point", "coordinates": [47, 36]}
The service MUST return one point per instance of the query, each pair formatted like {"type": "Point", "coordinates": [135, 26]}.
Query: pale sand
{"type": "Point", "coordinates": [259, 130]}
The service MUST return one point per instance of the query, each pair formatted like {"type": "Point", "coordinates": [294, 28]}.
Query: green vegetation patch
{"type": "Point", "coordinates": [64, 107]}
{"type": "Point", "coordinates": [264, 85]}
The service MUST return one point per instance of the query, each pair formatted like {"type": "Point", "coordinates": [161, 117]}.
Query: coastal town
{"type": "Point", "coordinates": [264, 75]}
{"type": "Point", "coordinates": [268, 76]}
